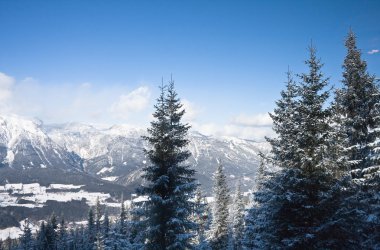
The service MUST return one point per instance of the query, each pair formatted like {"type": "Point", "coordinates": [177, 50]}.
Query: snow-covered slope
{"type": "Point", "coordinates": [116, 153]}
{"type": "Point", "coordinates": [23, 144]}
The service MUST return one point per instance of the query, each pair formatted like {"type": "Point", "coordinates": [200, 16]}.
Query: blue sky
{"type": "Point", "coordinates": [101, 61]}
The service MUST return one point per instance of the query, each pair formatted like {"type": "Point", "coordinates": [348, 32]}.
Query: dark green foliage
{"type": "Point", "coordinates": [237, 220]}
{"type": "Point", "coordinates": [27, 237]}
{"type": "Point", "coordinates": [220, 224]}
{"type": "Point", "coordinates": [170, 182]}
{"type": "Point", "coordinates": [357, 104]}
{"type": "Point", "coordinates": [292, 204]}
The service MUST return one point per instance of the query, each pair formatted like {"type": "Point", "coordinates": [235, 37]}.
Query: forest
{"type": "Point", "coordinates": [318, 188]}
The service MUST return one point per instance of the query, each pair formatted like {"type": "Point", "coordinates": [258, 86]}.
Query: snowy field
{"type": "Point", "coordinates": [37, 195]}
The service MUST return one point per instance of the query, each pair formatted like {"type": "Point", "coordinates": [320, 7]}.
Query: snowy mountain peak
{"type": "Point", "coordinates": [13, 128]}
{"type": "Point", "coordinates": [24, 144]}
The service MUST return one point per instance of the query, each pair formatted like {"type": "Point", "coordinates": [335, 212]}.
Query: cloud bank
{"type": "Point", "coordinates": [81, 102]}
{"type": "Point", "coordinates": [114, 104]}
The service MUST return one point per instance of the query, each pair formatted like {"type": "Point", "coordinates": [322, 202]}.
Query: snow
{"type": "Point", "coordinates": [13, 128]}
{"type": "Point", "coordinates": [104, 170]}
{"type": "Point", "coordinates": [110, 178]}
{"type": "Point", "coordinates": [16, 232]}
{"type": "Point", "coordinates": [10, 156]}
{"type": "Point", "coordinates": [11, 193]}
{"type": "Point", "coordinates": [42, 166]}
{"type": "Point", "coordinates": [12, 232]}
{"type": "Point", "coordinates": [140, 199]}
{"type": "Point", "coordinates": [64, 186]}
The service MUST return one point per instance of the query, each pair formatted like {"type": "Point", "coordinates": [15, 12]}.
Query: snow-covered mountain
{"type": "Point", "coordinates": [113, 154]}
{"type": "Point", "coordinates": [23, 145]}
{"type": "Point", "coordinates": [95, 162]}
{"type": "Point", "coordinates": [116, 154]}
{"type": "Point", "coordinates": [30, 158]}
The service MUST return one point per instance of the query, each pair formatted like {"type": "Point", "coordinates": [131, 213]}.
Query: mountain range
{"type": "Point", "coordinates": [109, 159]}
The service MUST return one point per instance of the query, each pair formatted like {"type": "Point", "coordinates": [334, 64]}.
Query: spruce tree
{"type": "Point", "coordinates": [123, 218]}
{"type": "Point", "coordinates": [170, 182]}
{"type": "Point", "coordinates": [285, 125]}
{"type": "Point", "coordinates": [98, 216]}
{"type": "Point", "coordinates": [106, 224]}
{"type": "Point", "coordinates": [62, 235]}
{"type": "Point", "coordinates": [41, 241]}
{"type": "Point", "coordinates": [237, 218]}
{"type": "Point", "coordinates": [357, 103]}
{"type": "Point", "coordinates": [199, 215]}
{"type": "Point", "coordinates": [219, 226]}
{"type": "Point", "coordinates": [91, 229]}
{"type": "Point", "coordinates": [27, 237]}
{"type": "Point", "coordinates": [293, 203]}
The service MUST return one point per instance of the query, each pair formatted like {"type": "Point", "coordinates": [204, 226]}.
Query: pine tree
{"type": "Point", "coordinates": [99, 244]}
{"type": "Point", "coordinates": [357, 104]}
{"type": "Point", "coordinates": [219, 226]}
{"type": "Point", "coordinates": [50, 233]}
{"type": "Point", "coordinates": [260, 226]}
{"type": "Point", "coordinates": [285, 125]}
{"type": "Point", "coordinates": [91, 229]}
{"type": "Point", "coordinates": [123, 218]}
{"type": "Point", "coordinates": [62, 236]}
{"type": "Point", "coordinates": [307, 202]}
{"type": "Point", "coordinates": [27, 237]}
{"type": "Point", "coordinates": [312, 118]}
{"type": "Point", "coordinates": [237, 218]}
{"type": "Point", "coordinates": [98, 216]}
{"type": "Point", "coordinates": [106, 224]}
{"type": "Point", "coordinates": [42, 242]}
{"type": "Point", "coordinates": [170, 183]}
{"type": "Point", "coordinates": [358, 110]}
{"type": "Point", "coordinates": [200, 218]}
{"type": "Point", "coordinates": [293, 203]}
{"type": "Point", "coordinates": [8, 244]}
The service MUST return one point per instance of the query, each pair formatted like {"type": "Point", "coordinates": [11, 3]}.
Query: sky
{"type": "Point", "coordinates": [101, 62]}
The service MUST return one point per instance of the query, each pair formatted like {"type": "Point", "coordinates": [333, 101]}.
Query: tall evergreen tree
{"type": "Point", "coordinates": [199, 217]}
{"type": "Point", "coordinates": [106, 224]}
{"type": "Point", "coordinates": [27, 237]}
{"type": "Point", "coordinates": [237, 218]}
{"type": "Point", "coordinates": [285, 125]}
{"type": "Point", "coordinates": [219, 226]}
{"type": "Point", "coordinates": [62, 236]}
{"type": "Point", "coordinates": [258, 230]}
{"type": "Point", "coordinates": [98, 216]}
{"type": "Point", "coordinates": [357, 104]}
{"type": "Point", "coordinates": [170, 182]}
{"type": "Point", "coordinates": [41, 241]}
{"type": "Point", "coordinates": [293, 203]}
{"type": "Point", "coordinates": [123, 218]}
{"type": "Point", "coordinates": [91, 229]}
{"type": "Point", "coordinates": [50, 232]}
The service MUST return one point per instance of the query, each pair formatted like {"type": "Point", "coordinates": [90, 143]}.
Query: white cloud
{"type": "Point", "coordinates": [191, 110]}
{"type": "Point", "coordinates": [6, 84]}
{"type": "Point", "coordinates": [69, 102]}
{"type": "Point", "coordinates": [374, 51]}
{"type": "Point", "coordinates": [257, 120]}
{"type": "Point", "coordinates": [135, 101]}
{"type": "Point", "coordinates": [86, 85]}
{"type": "Point", "coordinates": [6, 92]}
{"type": "Point", "coordinates": [244, 132]}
